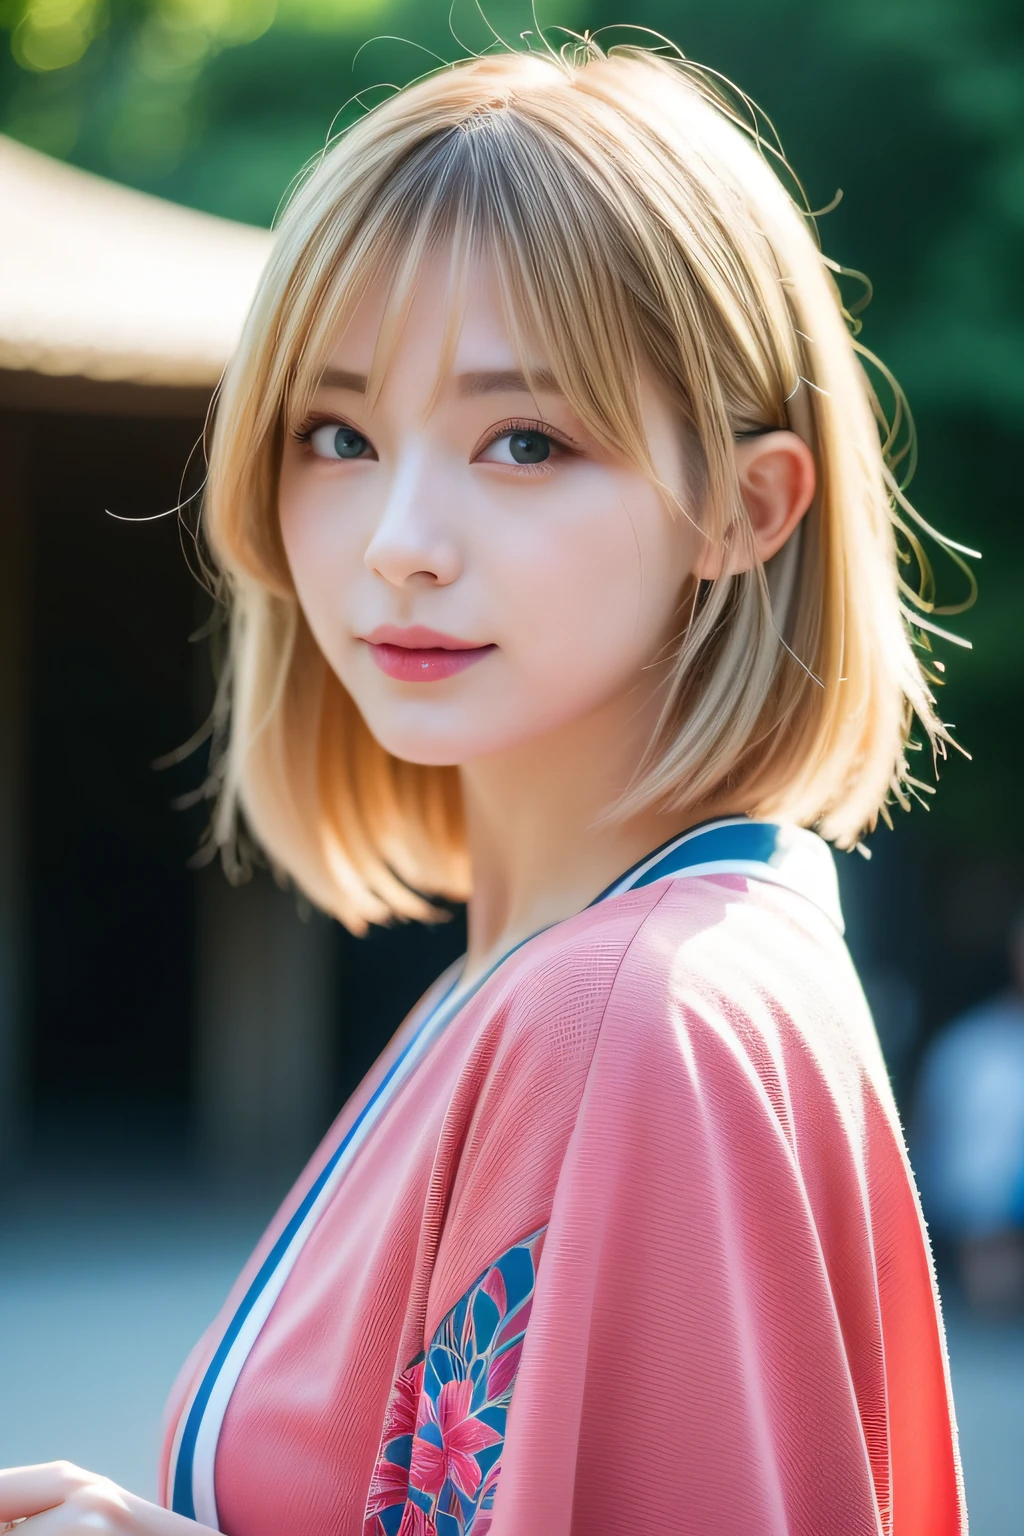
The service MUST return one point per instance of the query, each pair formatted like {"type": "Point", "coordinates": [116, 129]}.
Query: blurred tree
{"type": "Point", "coordinates": [216, 103]}
{"type": "Point", "coordinates": [915, 108]}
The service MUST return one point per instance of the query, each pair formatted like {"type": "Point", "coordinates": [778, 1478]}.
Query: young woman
{"type": "Point", "coordinates": [561, 548]}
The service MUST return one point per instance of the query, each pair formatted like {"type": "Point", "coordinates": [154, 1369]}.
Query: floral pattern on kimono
{"type": "Point", "coordinates": [440, 1454]}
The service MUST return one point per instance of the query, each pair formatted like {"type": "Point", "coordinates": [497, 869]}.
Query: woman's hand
{"type": "Point", "coordinates": [58, 1499]}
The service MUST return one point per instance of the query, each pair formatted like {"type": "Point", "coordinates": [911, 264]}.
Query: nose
{"type": "Point", "coordinates": [412, 543]}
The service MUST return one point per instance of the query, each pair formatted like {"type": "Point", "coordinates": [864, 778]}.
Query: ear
{"type": "Point", "coordinates": [777, 478]}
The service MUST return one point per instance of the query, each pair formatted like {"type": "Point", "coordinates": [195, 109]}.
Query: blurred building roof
{"type": "Point", "coordinates": [105, 283]}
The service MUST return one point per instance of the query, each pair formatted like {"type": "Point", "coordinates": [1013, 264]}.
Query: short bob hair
{"type": "Point", "coordinates": [632, 216]}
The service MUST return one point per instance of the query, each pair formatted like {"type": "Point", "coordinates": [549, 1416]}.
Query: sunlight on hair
{"type": "Point", "coordinates": [637, 208]}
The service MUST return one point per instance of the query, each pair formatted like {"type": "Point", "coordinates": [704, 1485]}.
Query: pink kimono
{"type": "Point", "coordinates": [623, 1243]}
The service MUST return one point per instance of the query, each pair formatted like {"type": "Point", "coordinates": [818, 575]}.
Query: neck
{"type": "Point", "coordinates": [538, 848]}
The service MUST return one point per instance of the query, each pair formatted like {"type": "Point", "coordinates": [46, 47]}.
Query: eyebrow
{"type": "Point", "coordinates": [339, 378]}
{"type": "Point", "coordinates": [506, 381]}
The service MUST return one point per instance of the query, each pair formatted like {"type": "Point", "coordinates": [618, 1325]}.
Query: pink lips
{"type": "Point", "coordinates": [420, 655]}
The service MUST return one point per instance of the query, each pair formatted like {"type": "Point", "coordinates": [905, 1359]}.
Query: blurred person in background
{"type": "Point", "coordinates": [968, 1140]}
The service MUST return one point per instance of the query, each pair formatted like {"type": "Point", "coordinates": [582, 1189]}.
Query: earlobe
{"type": "Point", "coordinates": [777, 479]}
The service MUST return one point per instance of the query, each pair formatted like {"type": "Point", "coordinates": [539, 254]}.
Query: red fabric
{"type": "Point", "coordinates": [735, 1330]}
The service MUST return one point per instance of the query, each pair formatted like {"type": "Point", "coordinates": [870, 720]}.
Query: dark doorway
{"type": "Point", "coordinates": [113, 688]}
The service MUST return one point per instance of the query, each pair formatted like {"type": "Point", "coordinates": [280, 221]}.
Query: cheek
{"type": "Point", "coordinates": [321, 551]}
{"type": "Point", "coordinates": [301, 530]}
{"type": "Point", "coordinates": [594, 598]}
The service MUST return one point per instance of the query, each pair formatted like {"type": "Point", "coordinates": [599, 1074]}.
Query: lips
{"type": "Point", "coordinates": [416, 654]}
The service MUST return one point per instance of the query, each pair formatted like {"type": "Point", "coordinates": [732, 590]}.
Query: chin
{"type": "Point", "coordinates": [440, 743]}
{"type": "Point", "coordinates": [426, 753]}
{"type": "Point", "coordinates": [431, 749]}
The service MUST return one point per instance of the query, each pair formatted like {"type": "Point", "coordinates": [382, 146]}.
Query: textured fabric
{"type": "Point", "coordinates": [445, 1428]}
{"type": "Point", "coordinates": [734, 1327]}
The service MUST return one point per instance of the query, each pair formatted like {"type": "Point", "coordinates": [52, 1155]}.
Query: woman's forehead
{"type": "Point", "coordinates": [451, 327]}
{"type": "Point", "coordinates": [435, 309]}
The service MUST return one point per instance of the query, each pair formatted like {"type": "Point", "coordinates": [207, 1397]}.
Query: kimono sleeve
{"type": "Point", "coordinates": [734, 1330]}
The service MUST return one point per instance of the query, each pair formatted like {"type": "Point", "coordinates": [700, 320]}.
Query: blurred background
{"type": "Point", "coordinates": [171, 1048]}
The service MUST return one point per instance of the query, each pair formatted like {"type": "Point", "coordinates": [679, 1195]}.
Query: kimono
{"type": "Point", "coordinates": [623, 1240]}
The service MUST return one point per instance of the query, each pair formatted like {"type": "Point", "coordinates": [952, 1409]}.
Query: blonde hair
{"type": "Point", "coordinates": [633, 217]}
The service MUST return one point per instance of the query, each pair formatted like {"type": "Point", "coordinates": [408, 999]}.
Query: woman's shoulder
{"type": "Point", "coordinates": [649, 1008]}
{"type": "Point", "coordinates": [723, 932]}
{"type": "Point", "coordinates": [700, 959]}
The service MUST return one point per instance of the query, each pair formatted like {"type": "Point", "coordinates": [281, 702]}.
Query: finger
{"type": "Point", "coordinates": [27, 1490]}
{"type": "Point", "coordinates": [96, 1506]}
{"type": "Point", "coordinates": [58, 1521]}
{"type": "Point", "coordinates": [100, 1508]}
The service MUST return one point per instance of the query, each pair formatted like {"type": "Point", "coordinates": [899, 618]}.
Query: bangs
{"type": "Point", "coordinates": [634, 228]}
{"type": "Point", "coordinates": [497, 193]}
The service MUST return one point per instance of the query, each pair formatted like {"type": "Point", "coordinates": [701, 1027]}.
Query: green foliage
{"type": "Point", "coordinates": [215, 103]}
{"type": "Point", "coordinates": [914, 108]}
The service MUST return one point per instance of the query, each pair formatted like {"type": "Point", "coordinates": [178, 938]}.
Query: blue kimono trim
{"type": "Point", "coordinates": [444, 1433]}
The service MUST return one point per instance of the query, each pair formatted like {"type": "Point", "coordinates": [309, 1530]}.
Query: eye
{"type": "Point", "coordinates": [521, 446]}
{"type": "Point", "coordinates": [332, 440]}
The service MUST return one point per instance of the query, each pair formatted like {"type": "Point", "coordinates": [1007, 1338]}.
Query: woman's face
{"type": "Point", "coordinates": [477, 571]}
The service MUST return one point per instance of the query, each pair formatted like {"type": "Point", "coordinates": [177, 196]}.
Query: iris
{"type": "Point", "coordinates": [529, 447]}
{"type": "Point", "coordinates": [349, 444]}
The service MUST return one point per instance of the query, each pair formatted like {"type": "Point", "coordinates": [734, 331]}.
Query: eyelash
{"type": "Point", "coordinates": [309, 426]}
{"type": "Point", "coordinates": [304, 433]}
{"type": "Point", "coordinates": [518, 424]}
